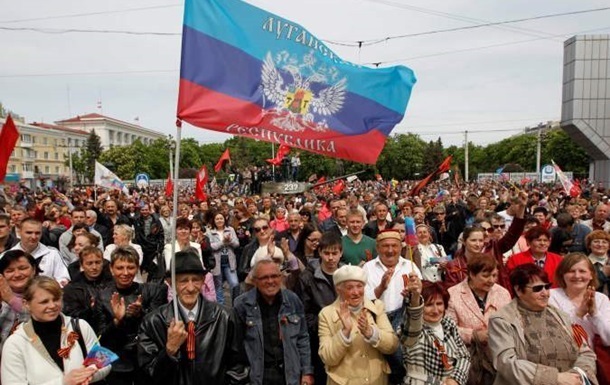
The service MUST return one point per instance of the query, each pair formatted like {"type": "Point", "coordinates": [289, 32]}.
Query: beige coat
{"type": "Point", "coordinates": [507, 344]}
{"type": "Point", "coordinates": [358, 362]}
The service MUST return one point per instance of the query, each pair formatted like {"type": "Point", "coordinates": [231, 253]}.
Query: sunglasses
{"type": "Point", "coordinates": [314, 240]}
{"type": "Point", "coordinates": [538, 288]}
{"type": "Point", "coordinates": [488, 229]}
{"type": "Point", "coordinates": [499, 226]}
{"type": "Point", "coordinates": [259, 229]}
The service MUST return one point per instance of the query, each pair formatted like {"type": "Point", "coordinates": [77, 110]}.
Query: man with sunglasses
{"type": "Point", "coordinates": [275, 336]}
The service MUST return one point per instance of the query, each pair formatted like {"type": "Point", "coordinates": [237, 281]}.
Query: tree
{"type": "Point", "coordinates": [93, 151]}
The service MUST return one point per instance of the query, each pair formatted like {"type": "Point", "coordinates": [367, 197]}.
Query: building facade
{"type": "Point", "coordinates": [112, 132]}
{"type": "Point", "coordinates": [41, 153]}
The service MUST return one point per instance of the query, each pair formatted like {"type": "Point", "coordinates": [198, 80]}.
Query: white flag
{"type": "Point", "coordinates": [106, 178]}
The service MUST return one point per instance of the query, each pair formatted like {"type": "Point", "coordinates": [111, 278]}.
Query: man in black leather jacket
{"type": "Point", "coordinates": [202, 347]}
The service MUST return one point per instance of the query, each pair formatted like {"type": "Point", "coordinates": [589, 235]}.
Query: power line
{"type": "Point", "coordinates": [363, 43]}
{"type": "Point", "coordinates": [93, 73]}
{"type": "Point", "coordinates": [91, 13]}
{"type": "Point", "coordinates": [442, 53]}
{"type": "Point", "coordinates": [56, 31]}
{"type": "Point", "coordinates": [453, 16]}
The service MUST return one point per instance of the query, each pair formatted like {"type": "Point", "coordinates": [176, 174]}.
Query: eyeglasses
{"type": "Point", "coordinates": [259, 229]}
{"type": "Point", "coordinates": [538, 288]}
{"type": "Point", "coordinates": [499, 226]}
{"type": "Point", "coordinates": [269, 277]}
{"type": "Point", "coordinates": [488, 229]}
{"type": "Point", "coordinates": [314, 240]}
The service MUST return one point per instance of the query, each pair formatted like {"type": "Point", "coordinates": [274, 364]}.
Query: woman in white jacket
{"type": "Point", "coordinates": [46, 349]}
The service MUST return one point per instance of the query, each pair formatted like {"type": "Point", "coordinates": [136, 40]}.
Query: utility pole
{"type": "Point", "coordinates": [538, 150]}
{"type": "Point", "coordinates": [466, 156]}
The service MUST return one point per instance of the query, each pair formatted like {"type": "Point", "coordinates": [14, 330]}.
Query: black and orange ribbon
{"type": "Point", "coordinates": [580, 334]}
{"type": "Point", "coordinates": [65, 351]}
{"type": "Point", "coordinates": [443, 353]}
{"type": "Point", "coordinates": [190, 341]}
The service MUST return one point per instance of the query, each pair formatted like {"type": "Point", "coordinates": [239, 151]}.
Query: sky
{"type": "Point", "coordinates": [491, 81]}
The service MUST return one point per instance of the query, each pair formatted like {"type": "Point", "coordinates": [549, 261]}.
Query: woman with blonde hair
{"type": "Point", "coordinates": [49, 348]}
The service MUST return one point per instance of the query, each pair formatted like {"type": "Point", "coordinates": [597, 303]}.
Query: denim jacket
{"type": "Point", "coordinates": [295, 338]}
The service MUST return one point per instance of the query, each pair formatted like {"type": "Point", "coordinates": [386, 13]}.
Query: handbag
{"type": "Point", "coordinates": [603, 360]}
{"type": "Point", "coordinates": [481, 371]}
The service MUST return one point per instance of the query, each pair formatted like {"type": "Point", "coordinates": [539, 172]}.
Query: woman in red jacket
{"type": "Point", "coordinates": [539, 240]}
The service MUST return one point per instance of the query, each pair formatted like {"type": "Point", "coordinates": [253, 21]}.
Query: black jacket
{"type": "Point", "coordinates": [152, 244]}
{"type": "Point", "coordinates": [217, 351]}
{"type": "Point", "coordinates": [80, 295]}
{"type": "Point", "coordinates": [316, 292]}
{"type": "Point", "coordinates": [122, 339]}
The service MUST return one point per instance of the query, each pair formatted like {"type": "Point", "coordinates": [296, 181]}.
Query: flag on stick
{"type": "Point", "coordinates": [8, 140]}
{"type": "Point", "coordinates": [443, 167]}
{"type": "Point", "coordinates": [169, 186]}
{"type": "Point", "coordinates": [226, 156]}
{"type": "Point", "coordinates": [248, 72]}
{"type": "Point", "coordinates": [281, 154]}
{"type": "Point", "coordinates": [570, 187]}
{"type": "Point", "coordinates": [200, 182]}
{"type": "Point", "coordinates": [106, 178]}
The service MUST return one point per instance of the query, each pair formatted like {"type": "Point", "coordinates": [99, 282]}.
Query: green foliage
{"type": "Point", "coordinates": [92, 152]}
{"type": "Point", "coordinates": [405, 156]}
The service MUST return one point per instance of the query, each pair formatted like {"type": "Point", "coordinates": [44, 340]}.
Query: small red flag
{"type": "Point", "coordinates": [226, 156]}
{"type": "Point", "coordinates": [339, 187]}
{"type": "Point", "coordinates": [8, 139]}
{"type": "Point", "coordinates": [200, 182]}
{"type": "Point", "coordinates": [282, 151]}
{"type": "Point", "coordinates": [169, 186]}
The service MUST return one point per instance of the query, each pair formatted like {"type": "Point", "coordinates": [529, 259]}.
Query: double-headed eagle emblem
{"type": "Point", "coordinates": [302, 95]}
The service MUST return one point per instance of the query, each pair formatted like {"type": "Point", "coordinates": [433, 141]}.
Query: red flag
{"type": "Point", "coordinates": [282, 151]}
{"type": "Point", "coordinates": [443, 167]}
{"type": "Point", "coordinates": [200, 182]}
{"type": "Point", "coordinates": [223, 158]}
{"type": "Point", "coordinates": [339, 187]}
{"type": "Point", "coordinates": [169, 186]}
{"type": "Point", "coordinates": [8, 138]}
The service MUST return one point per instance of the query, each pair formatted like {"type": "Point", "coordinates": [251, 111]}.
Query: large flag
{"type": "Point", "coordinates": [200, 182]}
{"type": "Point", "coordinates": [226, 156]}
{"type": "Point", "coordinates": [281, 153]}
{"type": "Point", "coordinates": [249, 72]}
{"type": "Point", "coordinates": [570, 187]}
{"type": "Point", "coordinates": [443, 167]}
{"type": "Point", "coordinates": [8, 140]}
{"type": "Point", "coordinates": [106, 178]}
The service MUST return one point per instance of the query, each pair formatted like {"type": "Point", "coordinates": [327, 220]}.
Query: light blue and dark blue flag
{"type": "Point", "coordinates": [248, 72]}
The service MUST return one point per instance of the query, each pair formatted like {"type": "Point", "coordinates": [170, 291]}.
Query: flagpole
{"type": "Point", "coordinates": [175, 216]}
{"type": "Point", "coordinates": [272, 165]}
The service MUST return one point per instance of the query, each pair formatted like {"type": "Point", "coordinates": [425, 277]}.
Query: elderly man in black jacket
{"type": "Point", "coordinates": [149, 235]}
{"type": "Point", "coordinates": [201, 348]}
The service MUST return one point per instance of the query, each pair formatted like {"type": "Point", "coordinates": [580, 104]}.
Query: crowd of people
{"type": "Point", "coordinates": [505, 284]}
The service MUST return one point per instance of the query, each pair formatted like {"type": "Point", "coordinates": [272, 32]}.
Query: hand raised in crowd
{"type": "Point", "coordinates": [587, 306]}
{"type": "Point", "coordinates": [271, 248]}
{"type": "Point", "coordinates": [6, 294]}
{"type": "Point", "coordinates": [363, 324]}
{"type": "Point", "coordinates": [176, 335]}
{"type": "Point", "coordinates": [385, 281]}
{"type": "Point", "coordinates": [80, 376]}
{"type": "Point", "coordinates": [135, 308]}
{"type": "Point", "coordinates": [413, 289]}
{"type": "Point", "coordinates": [285, 246]}
{"type": "Point", "coordinates": [307, 379]}
{"type": "Point", "coordinates": [346, 318]}
{"type": "Point", "coordinates": [117, 304]}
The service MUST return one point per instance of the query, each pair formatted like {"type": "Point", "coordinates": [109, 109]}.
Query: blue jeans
{"type": "Point", "coordinates": [226, 274]}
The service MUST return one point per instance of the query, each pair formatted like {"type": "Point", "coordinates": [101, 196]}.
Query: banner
{"type": "Point", "coordinates": [106, 178]}
{"type": "Point", "coordinates": [200, 182]}
{"type": "Point", "coordinates": [282, 151]}
{"type": "Point", "coordinates": [442, 168]}
{"type": "Point", "coordinates": [249, 72]}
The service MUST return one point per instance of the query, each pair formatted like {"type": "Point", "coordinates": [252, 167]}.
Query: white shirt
{"type": "Point", "coordinates": [51, 263]}
{"type": "Point", "coordinates": [430, 271]}
{"type": "Point", "coordinates": [597, 324]}
{"type": "Point", "coordinates": [391, 297]}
